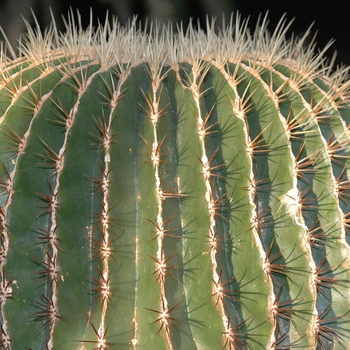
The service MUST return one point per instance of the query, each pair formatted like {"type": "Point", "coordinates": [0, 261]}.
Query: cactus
{"type": "Point", "coordinates": [184, 190]}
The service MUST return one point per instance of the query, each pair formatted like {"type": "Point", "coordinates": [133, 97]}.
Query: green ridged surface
{"type": "Point", "coordinates": [161, 204]}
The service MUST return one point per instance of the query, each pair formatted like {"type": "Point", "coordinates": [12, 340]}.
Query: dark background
{"type": "Point", "coordinates": [331, 19]}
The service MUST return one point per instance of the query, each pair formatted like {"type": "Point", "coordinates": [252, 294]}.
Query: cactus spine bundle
{"type": "Point", "coordinates": [173, 191]}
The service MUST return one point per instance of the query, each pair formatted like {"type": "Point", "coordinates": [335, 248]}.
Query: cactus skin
{"type": "Point", "coordinates": [164, 192]}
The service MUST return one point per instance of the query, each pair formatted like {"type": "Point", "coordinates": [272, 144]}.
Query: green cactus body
{"type": "Point", "coordinates": [185, 191]}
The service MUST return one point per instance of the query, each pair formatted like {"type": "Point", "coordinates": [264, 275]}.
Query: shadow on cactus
{"type": "Point", "coordinates": [173, 190]}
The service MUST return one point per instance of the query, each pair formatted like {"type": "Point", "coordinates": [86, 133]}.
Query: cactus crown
{"type": "Point", "coordinates": [111, 44]}
{"type": "Point", "coordinates": [184, 190]}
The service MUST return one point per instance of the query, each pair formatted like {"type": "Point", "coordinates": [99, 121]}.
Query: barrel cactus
{"type": "Point", "coordinates": [173, 190]}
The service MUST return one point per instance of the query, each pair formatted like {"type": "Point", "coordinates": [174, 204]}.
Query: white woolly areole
{"type": "Point", "coordinates": [291, 200]}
